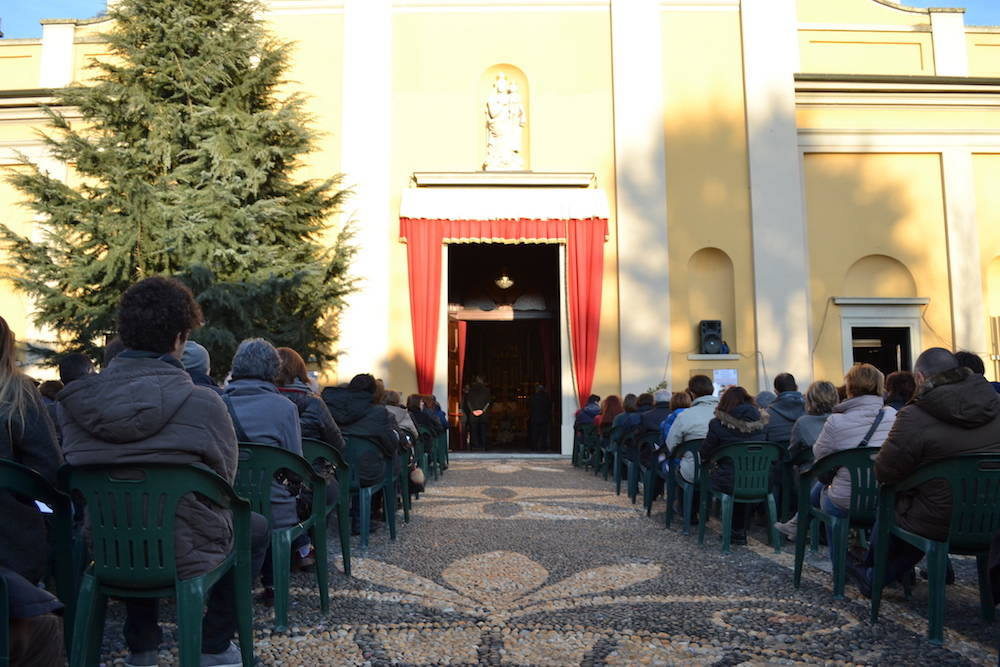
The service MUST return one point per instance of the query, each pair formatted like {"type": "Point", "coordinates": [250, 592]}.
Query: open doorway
{"type": "Point", "coordinates": [503, 325]}
{"type": "Point", "coordinates": [885, 348]}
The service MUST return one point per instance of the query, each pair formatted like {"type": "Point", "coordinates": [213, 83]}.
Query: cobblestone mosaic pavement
{"type": "Point", "coordinates": [534, 562]}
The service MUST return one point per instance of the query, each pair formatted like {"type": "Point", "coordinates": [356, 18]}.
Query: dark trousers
{"type": "Point", "coordinates": [538, 435]}
{"type": "Point", "coordinates": [477, 432]}
{"type": "Point", "coordinates": [142, 630]}
{"type": "Point", "coordinates": [900, 559]}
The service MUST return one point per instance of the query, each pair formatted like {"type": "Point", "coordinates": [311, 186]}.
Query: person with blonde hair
{"type": "Point", "coordinates": [821, 397]}
{"type": "Point", "coordinates": [862, 420]}
{"type": "Point", "coordinates": [27, 437]}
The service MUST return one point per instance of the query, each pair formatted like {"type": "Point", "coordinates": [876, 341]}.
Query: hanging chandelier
{"type": "Point", "coordinates": [504, 281]}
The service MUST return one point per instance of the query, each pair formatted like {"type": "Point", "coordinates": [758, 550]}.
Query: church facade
{"type": "Point", "coordinates": [729, 187]}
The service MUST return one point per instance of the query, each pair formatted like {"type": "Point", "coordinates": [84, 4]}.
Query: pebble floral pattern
{"type": "Point", "coordinates": [509, 562]}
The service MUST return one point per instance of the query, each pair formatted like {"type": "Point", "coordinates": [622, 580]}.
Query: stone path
{"type": "Point", "coordinates": [534, 562]}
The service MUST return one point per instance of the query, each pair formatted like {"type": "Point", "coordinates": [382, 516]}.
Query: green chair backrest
{"type": "Point", "coordinates": [751, 466]}
{"type": "Point", "coordinates": [648, 439]}
{"type": "Point", "coordinates": [588, 434]}
{"type": "Point", "coordinates": [132, 509]}
{"type": "Point", "coordinates": [354, 447]}
{"type": "Point", "coordinates": [692, 447]}
{"type": "Point", "coordinates": [258, 464]}
{"type": "Point", "coordinates": [313, 449]}
{"type": "Point", "coordinates": [975, 492]}
{"type": "Point", "coordinates": [860, 463]}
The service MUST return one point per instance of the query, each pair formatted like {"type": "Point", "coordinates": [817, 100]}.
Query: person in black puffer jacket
{"type": "Point", "coordinates": [737, 419]}
{"type": "Point", "coordinates": [355, 414]}
{"type": "Point", "coordinates": [314, 416]}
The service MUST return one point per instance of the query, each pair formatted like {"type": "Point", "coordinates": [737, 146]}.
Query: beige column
{"type": "Point", "coordinates": [965, 273]}
{"type": "Point", "coordinates": [781, 275]}
{"type": "Point", "coordinates": [951, 53]}
{"type": "Point", "coordinates": [641, 193]}
{"type": "Point", "coordinates": [365, 160]}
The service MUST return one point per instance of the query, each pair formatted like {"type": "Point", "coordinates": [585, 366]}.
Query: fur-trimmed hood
{"type": "Point", "coordinates": [744, 418]}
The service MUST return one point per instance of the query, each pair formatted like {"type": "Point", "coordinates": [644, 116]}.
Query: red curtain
{"type": "Point", "coordinates": [463, 327]}
{"type": "Point", "coordinates": [585, 264]}
{"type": "Point", "coordinates": [545, 331]}
{"type": "Point", "coordinates": [423, 251]}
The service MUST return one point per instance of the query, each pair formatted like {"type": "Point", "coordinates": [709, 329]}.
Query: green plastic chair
{"type": "Point", "coordinates": [675, 481]}
{"type": "Point", "coordinates": [4, 624]}
{"type": "Point", "coordinates": [630, 442]}
{"type": "Point", "coordinates": [402, 480]}
{"type": "Point", "coordinates": [258, 464]}
{"type": "Point", "coordinates": [430, 447]}
{"type": "Point", "coordinates": [421, 450]}
{"type": "Point", "coordinates": [441, 450]}
{"type": "Point", "coordinates": [975, 516]}
{"type": "Point", "coordinates": [317, 450]}
{"type": "Point", "coordinates": [354, 447]}
{"type": "Point", "coordinates": [132, 510]}
{"type": "Point", "coordinates": [648, 442]}
{"type": "Point", "coordinates": [24, 481]}
{"type": "Point", "coordinates": [859, 461]}
{"type": "Point", "coordinates": [615, 454]}
{"type": "Point", "coordinates": [590, 445]}
{"type": "Point", "coordinates": [751, 484]}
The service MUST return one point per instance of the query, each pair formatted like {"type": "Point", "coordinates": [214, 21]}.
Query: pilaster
{"type": "Point", "coordinates": [951, 53]}
{"type": "Point", "coordinates": [641, 199]}
{"type": "Point", "coordinates": [780, 251]}
{"type": "Point", "coordinates": [965, 272]}
{"type": "Point", "coordinates": [365, 161]}
{"type": "Point", "coordinates": [56, 70]}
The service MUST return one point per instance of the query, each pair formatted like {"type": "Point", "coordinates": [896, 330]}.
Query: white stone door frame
{"type": "Point", "coordinates": [904, 313]}
{"type": "Point", "coordinates": [567, 381]}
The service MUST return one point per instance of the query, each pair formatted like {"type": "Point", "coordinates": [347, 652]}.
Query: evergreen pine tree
{"type": "Point", "coordinates": [186, 155]}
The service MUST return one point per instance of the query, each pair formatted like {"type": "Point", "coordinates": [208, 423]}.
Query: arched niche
{"type": "Point", "coordinates": [879, 276]}
{"type": "Point", "coordinates": [485, 89]}
{"type": "Point", "coordinates": [993, 288]}
{"type": "Point", "coordinates": [712, 292]}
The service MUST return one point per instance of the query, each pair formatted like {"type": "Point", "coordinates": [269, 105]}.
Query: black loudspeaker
{"type": "Point", "coordinates": [710, 337]}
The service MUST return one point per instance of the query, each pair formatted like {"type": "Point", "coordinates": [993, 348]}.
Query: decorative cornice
{"type": "Point", "coordinates": [880, 301]}
{"type": "Point", "coordinates": [503, 178]}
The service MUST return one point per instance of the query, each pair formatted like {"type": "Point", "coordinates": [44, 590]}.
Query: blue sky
{"type": "Point", "coordinates": [20, 17]}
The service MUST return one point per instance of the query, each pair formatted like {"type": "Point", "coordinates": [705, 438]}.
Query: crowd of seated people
{"type": "Point", "coordinates": [944, 408]}
{"type": "Point", "coordinates": [155, 401]}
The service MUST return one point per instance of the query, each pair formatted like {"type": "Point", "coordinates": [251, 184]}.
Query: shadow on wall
{"type": "Point", "coordinates": [857, 205]}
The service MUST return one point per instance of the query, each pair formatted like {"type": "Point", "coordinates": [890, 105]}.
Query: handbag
{"type": "Point", "coordinates": [826, 478]}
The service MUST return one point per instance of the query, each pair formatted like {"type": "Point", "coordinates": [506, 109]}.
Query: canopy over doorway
{"type": "Point", "coordinates": [524, 208]}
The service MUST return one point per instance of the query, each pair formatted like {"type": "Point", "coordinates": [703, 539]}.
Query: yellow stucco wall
{"type": "Point", "coordinates": [866, 52]}
{"type": "Point", "coordinates": [14, 307]}
{"type": "Point", "coordinates": [874, 204]}
{"type": "Point", "coordinates": [987, 171]}
{"type": "Point", "coordinates": [892, 117]}
{"type": "Point", "coordinates": [19, 63]}
{"type": "Point", "coordinates": [707, 186]}
{"type": "Point", "coordinates": [438, 124]}
{"type": "Point", "coordinates": [984, 53]}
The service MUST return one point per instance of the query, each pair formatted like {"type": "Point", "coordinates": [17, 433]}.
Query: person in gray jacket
{"type": "Point", "coordinates": [692, 424]}
{"type": "Point", "coordinates": [144, 408]}
{"type": "Point", "coordinates": [262, 415]}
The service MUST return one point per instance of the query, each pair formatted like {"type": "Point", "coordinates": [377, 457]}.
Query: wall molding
{"type": "Point", "coordinates": [896, 141]}
{"type": "Point", "coordinates": [862, 27]}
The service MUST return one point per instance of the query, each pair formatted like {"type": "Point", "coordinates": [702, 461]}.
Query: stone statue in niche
{"type": "Point", "coordinates": [505, 119]}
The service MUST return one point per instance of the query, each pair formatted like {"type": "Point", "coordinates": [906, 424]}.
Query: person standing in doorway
{"type": "Point", "coordinates": [477, 402]}
{"type": "Point", "coordinates": [539, 418]}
